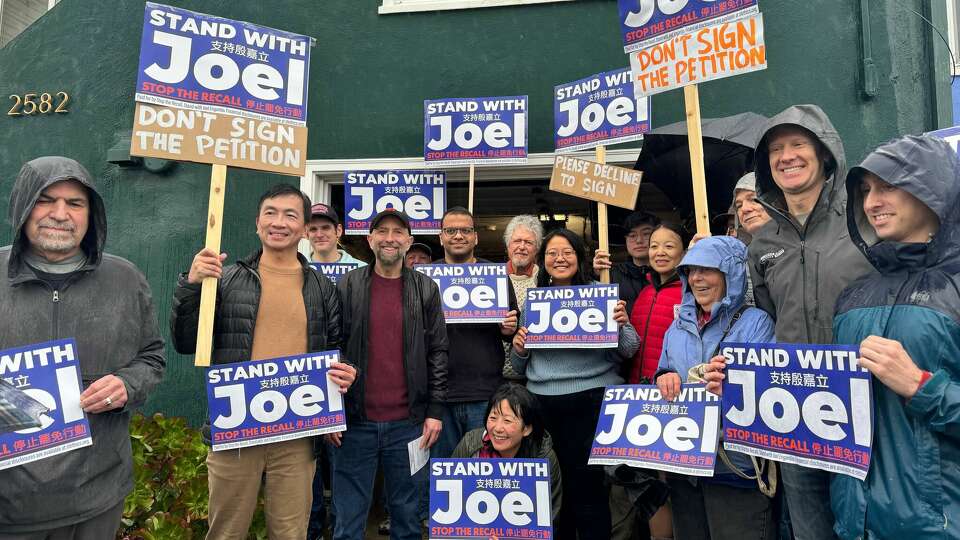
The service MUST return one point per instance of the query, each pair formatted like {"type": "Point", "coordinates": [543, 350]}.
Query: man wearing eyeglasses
{"type": "Point", "coordinates": [631, 274]}
{"type": "Point", "coordinates": [476, 350]}
{"type": "Point", "coordinates": [394, 330]}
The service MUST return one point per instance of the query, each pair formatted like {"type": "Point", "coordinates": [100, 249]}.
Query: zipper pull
{"type": "Point", "coordinates": [56, 296]}
{"type": "Point", "coordinates": [801, 251]}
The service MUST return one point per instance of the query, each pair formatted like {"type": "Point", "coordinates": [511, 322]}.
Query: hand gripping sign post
{"type": "Point", "coordinates": [471, 293]}
{"type": "Point", "coordinates": [224, 92]}
{"type": "Point", "coordinates": [50, 374]}
{"type": "Point", "coordinates": [572, 317]}
{"type": "Point", "coordinates": [474, 131]}
{"type": "Point", "coordinates": [485, 498]}
{"type": "Point", "coordinates": [421, 195]}
{"type": "Point", "coordinates": [809, 405]}
{"type": "Point", "coordinates": [604, 184]}
{"type": "Point", "coordinates": [595, 111]}
{"type": "Point", "coordinates": [637, 427]}
{"type": "Point", "coordinates": [280, 399]}
{"type": "Point", "coordinates": [674, 43]}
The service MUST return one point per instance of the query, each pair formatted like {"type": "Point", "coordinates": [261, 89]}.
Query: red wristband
{"type": "Point", "coordinates": [924, 377]}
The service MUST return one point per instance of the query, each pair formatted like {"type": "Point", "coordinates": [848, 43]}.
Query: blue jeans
{"type": "Point", "coordinates": [318, 511]}
{"type": "Point", "coordinates": [365, 444]}
{"type": "Point", "coordinates": [808, 500]}
{"type": "Point", "coordinates": [458, 419]}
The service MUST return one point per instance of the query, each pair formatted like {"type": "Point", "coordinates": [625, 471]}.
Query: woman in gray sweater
{"type": "Point", "coordinates": [569, 384]}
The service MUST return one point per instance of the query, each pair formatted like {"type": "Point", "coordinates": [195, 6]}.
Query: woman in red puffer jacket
{"type": "Point", "coordinates": [656, 305]}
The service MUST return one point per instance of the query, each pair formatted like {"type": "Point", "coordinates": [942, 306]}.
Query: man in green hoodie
{"type": "Point", "coordinates": [800, 261]}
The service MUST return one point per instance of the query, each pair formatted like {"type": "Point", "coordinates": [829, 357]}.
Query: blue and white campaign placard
{"type": "Point", "coordinates": [471, 293]}
{"type": "Point", "coordinates": [220, 91]}
{"type": "Point", "coordinates": [267, 401]}
{"type": "Point", "coordinates": [598, 110]}
{"type": "Point", "coordinates": [421, 195]}
{"type": "Point", "coordinates": [809, 405]}
{"type": "Point", "coordinates": [49, 373]}
{"type": "Point", "coordinates": [647, 22]}
{"type": "Point", "coordinates": [473, 131]}
{"type": "Point", "coordinates": [637, 427]}
{"type": "Point", "coordinates": [572, 317]}
{"type": "Point", "coordinates": [484, 498]}
{"type": "Point", "coordinates": [334, 271]}
{"type": "Point", "coordinates": [202, 62]}
{"type": "Point", "coordinates": [950, 134]}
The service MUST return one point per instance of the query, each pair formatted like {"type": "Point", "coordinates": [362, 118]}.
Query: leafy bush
{"type": "Point", "coordinates": [169, 499]}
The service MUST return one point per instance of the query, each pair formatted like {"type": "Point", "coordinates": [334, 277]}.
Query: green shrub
{"type": "Point", "coordinates": [169, 499]}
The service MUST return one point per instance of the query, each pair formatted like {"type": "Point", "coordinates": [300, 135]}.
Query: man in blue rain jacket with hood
{"type": "Point", "coordinates": [906, 318]}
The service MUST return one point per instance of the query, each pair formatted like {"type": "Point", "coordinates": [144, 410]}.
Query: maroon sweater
{"type": "Point", "coordinates": [386, 382]}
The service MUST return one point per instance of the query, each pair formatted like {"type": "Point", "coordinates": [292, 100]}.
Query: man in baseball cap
{"type": "Point", "coordinates": [324, 232]}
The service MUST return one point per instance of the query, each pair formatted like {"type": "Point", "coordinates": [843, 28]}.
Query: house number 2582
{"type": "Point", "coordinates": [45, 103]}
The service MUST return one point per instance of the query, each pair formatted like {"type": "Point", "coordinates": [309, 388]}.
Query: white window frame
{"type": "Point", "coordinates": [410, 6]}
{"type": "Point", "coordinates": [953, 34]}
{"type": "Point", "coordinates": [322, 174]}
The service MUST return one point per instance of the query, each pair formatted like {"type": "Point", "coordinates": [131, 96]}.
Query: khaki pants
{"type": "Point", "coordinates": [234, 478]}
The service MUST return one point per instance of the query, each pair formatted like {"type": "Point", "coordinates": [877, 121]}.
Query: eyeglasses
{"type": "Point", "coordinates": [567, 254]}
{"type": "Point", "coordinates": [452, 231]}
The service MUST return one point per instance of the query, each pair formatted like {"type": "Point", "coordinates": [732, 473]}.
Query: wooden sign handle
{"type": "Point", "coordinates": [208, 290]}
{"type": "Point", "coordinates": [691, 98]}
{"type": "Point", "coordinates": [470, 191]}
{"type": "Point", "coordinates": [602, 225]}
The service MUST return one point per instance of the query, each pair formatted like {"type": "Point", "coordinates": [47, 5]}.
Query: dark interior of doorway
{"type": "Point", "coordinates": [496, 202]}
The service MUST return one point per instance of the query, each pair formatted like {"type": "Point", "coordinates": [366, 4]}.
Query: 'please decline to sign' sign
{"type": "Point", "coordinates": [606, 184]}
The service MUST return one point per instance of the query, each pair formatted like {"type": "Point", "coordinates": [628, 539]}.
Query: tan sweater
{"type": "Point", "coordinates": [281, 328]}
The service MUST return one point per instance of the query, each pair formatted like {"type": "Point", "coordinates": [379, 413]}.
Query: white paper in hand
{"type": "Point", "coordinates": [418, 457]}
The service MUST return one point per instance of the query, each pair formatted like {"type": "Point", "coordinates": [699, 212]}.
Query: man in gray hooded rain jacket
{"type": "Point", "coordinates": [58, 283]}
{"type": "Point", "coordinates": [800, 261]}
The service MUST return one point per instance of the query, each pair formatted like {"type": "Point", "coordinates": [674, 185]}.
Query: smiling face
{"type": "Point", "coordinates": [280, 223]}
{"type": "Point", "coordinates": [390, 241]}
{"type": "Point", "coordinates": [794, 163]}
{"type": "Point", "coordinates": [458, 247]}
{"type": "Point", "coordinates": [522, 248]}
{"type": "Point", "coordinates": [506, 429]}
{"type": "Point", "coordinates": [895, 214]}
{"type": "Point", "coordinates": [323, 236]}
{"type": "Point", "coordinates": [708, 286]}
{"type": "Point", "coordinates": [560, 260]}
{"type": "Point", "coordinates": [751, 214]}
{"type": "Point", "coordinates": [666, 251]}
{"type": "Point", "coordinates": [59, 221]}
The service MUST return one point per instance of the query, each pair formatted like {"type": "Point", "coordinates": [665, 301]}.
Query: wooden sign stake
{"type": "Point", "coordinates": [208, 291]}
{"type": "Point", "coordinates": [470, 191]}
{"type": "Point", "coordinates": [691, 98]}
{"type": "Point", "coordinates": [602, 235]}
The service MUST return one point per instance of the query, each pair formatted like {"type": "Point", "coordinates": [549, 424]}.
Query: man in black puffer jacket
{"type": "Point", "coordinates": [269, 305]}
{"type": "Point", "coordinates": [395, 332]}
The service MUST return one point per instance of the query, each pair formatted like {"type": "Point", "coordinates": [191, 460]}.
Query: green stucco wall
{"type": "Point", "coordinates": [369, 76]}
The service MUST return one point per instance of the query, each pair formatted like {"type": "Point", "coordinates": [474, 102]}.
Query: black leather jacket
{"type": "Point", "coordinates": [424, 341]}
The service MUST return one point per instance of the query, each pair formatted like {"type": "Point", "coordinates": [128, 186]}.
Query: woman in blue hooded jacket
{"type": "Point", "coordinates": [713, 309]}
{"type": "Point", "coordinates": [906, 319]}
